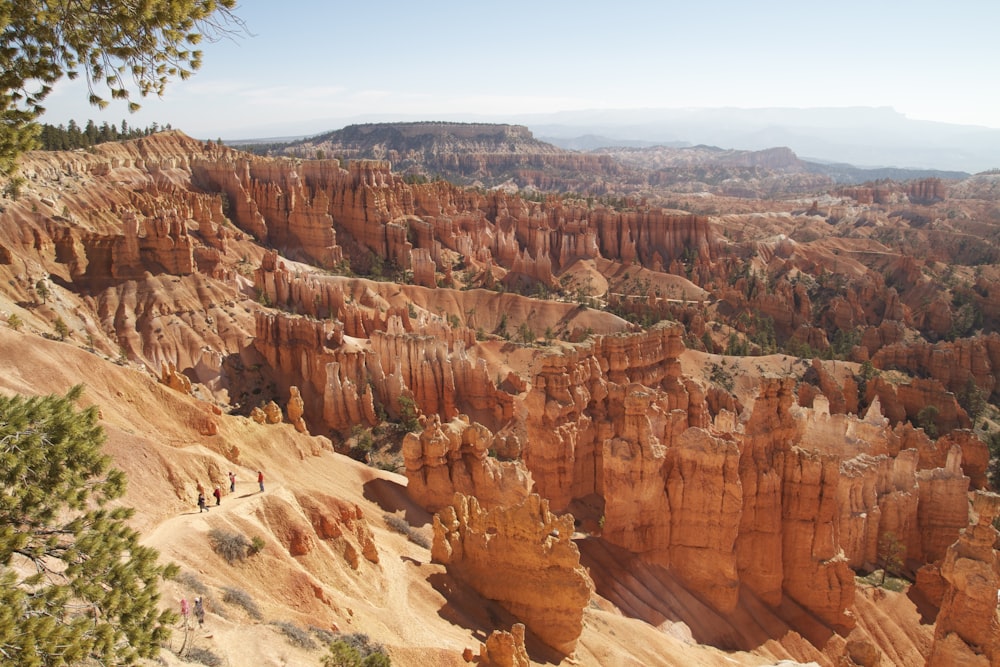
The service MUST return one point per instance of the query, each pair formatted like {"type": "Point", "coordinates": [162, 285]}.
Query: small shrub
{"type": "Point", "coordinates": [12, 189]}
{"type": "Point", "coordinates": [233, 546]}
{"type": "Point", "coordinates": [42, 290]}
{"type": "Point", "coordinates": [241, 598]}
{"type": "Point", "coordinates": [191, 580]}
{"type": "Point", "coordinates": [403, 527]}
{"type": "Point", "coordinates": [397, 523]}
{"type": "Point", "coordinates": [14, 322]}
{"type": "Point", "coordinates": [927, 420]}
{"type": "Point", "coordinates": [60, 329]}
{"type": "Point", "coordinates": [355, 650]}
{"type": "Point", "coordinates": [296, 635]}
{"type": "Point", "coordinates": [408, 414]}
{"type": "Point", "coordinates": [721, 376]}
{"type": "Point", "coordinates": [341, 654]}
{"type": "Point", "coordinates": [324, 635]}
{"type": "Point", "coordinates": [202, 656]}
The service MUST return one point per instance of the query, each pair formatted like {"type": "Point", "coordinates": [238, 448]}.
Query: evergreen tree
{"type": "Point", "coordinates": [109, 42]}
{"type": "Point", "coordinates": [75, 584]}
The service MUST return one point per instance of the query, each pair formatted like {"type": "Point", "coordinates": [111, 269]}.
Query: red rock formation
{"type": "Point", "coordinates": [505, 649]}
{"type": "Point", "coordinates": [967, 630]}
{"type": "Point", "coordinates": [176, 381]}
{"type": "Point", "coordinates": [296, 408]}
{"type": "Point", "coordinates": [950, 363]}
{"type": "Point", "coordinates": [455, 457]}
{"type": "Point", "coordinates": [904, 402]}
{"type": "Point", "coordinates": [705, 498]}
{"type": "Point", "coordinates": [524, 558]}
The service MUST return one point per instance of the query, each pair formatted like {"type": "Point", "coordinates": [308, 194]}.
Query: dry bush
{"type": "Point", "coordinates": [296, 635]}
{"type": "Point", "coordinates": [241, 598]}
{"type": "Point", "coordinates": [403, 527]}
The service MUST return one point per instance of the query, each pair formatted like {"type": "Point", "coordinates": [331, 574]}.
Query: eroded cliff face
{"type": "Point", "coordinates": [967, 631]}
{"type": "Point", "coordinates": [454, 457]}
{"type": "Point", "coordinates": [522, 556]}
{"type": "Point", "coordinates": [782, 499]}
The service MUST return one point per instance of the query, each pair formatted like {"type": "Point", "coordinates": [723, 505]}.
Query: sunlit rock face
{"type": "Point", "coordinates": [522, 556]}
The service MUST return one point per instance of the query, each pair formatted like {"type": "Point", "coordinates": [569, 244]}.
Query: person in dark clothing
{"type": "Point", "coordinates": [218, 495]}
{"type": "Point", "coordinates": [232, 482]}
{"type": "Point", "coordinates": [199, 612]}
{"type": "Point", "coordinates": [202, 507]}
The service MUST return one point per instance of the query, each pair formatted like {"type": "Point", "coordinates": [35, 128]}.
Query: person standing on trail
{"type": "Point", "coordinates": [232, 482]}
{"type": "Point", "coordinates": [260, 480]}
{"type": "Point", "coordinates": [184, 610]}
{"type": "Point", "coordinates": [218, 496]}
{"type": "Point", "coordinates": [199, 612]}
{"type": "Point", "coordinates": [202, 507]}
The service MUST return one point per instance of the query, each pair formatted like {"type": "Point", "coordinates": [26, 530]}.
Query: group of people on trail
{"type": "Point", "coordinates": [217, 492]}
{"type": "Point", "coordinates": [199, 611]}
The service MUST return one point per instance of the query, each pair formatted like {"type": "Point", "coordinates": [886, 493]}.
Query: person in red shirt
{"type": "Point", "coordinates": [260, 480]}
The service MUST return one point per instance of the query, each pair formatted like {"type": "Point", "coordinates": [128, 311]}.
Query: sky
{"type": "Point", "coordinates": [309, 66]}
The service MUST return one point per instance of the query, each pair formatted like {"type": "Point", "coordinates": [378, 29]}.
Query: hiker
{"type": "Point", "coordinates": [232, 482]}
{"type": "Point", "coordinates": [202, 507]}
{"type": "Point", "coordinates": [199, 612]}
{"type": "Point", "coordinates": [218, 496]}
{"type": "Point", "coordinates": [184, 610]}
{"type": "Point", "coordinates": [260, 480]}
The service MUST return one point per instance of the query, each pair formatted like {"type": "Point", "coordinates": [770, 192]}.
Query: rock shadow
{"type": "Point", "coordinates": [468, 609]}
{"type": "Point", "coordinates": [654, 595]}
{"type": "Point", "coordinates": [392, 497]}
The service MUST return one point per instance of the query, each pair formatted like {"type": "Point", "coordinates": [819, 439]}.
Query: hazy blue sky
{"type": "Point", "coordinates": [314, 65]}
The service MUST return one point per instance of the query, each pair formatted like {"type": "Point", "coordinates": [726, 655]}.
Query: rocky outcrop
{"type": "Point", "coordinates": [505, 649]}
{"type": "Point", "coordinates": [907, 402]}
{"type": "Point", "coordinates": [176, 381]}
{"type": "Point", "coordinates": [967, 630]}
{"type": "Point", "coordinates": [456, 457]}
{"type": "Point", "coordinates": [319, 519]}
{"type": "Point", "coordinates": [950, 363]}
{"type": "Point", "coordinates": [524, 558]}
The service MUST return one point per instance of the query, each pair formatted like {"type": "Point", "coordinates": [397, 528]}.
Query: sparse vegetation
{"type": "Point", "coordinates": [927, 420]}
{"type": "Point", "coordinates": [355, 650]}
{"type": "Point", "coordinates": [408, 414]}
{"type": "Point", "coordinates": [242, 599]}
{"type": "Point", "coordinates": [296, 635]}
{"type": "Point", "coordinates": [890, 555]}
{"type": "Point", "coordinates": [60, 329]}
{"type": "Point", "coordinates": [15, 322]}
{"type": "Point", "coordinates": [232, 546]}
{"type": "Point", "coordinates": [191, 581]}
{"type": "Point", "coordinates": [42, 290]}
{"type": "Point", "coordinates": [203, 656]}
{"type": "Point", "coordinates": [403, 527]}
{"type": "Point", "coordinates": [721, 376]}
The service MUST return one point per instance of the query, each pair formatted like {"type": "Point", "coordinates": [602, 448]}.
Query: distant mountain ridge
{"type": "Point", "coordinates": [494, 155]}
{"type": "Point", "coordinates": [861, 136]}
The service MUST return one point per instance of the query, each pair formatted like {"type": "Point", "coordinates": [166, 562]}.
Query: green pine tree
{"type": "Point", "coordinates": [75, 584]}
